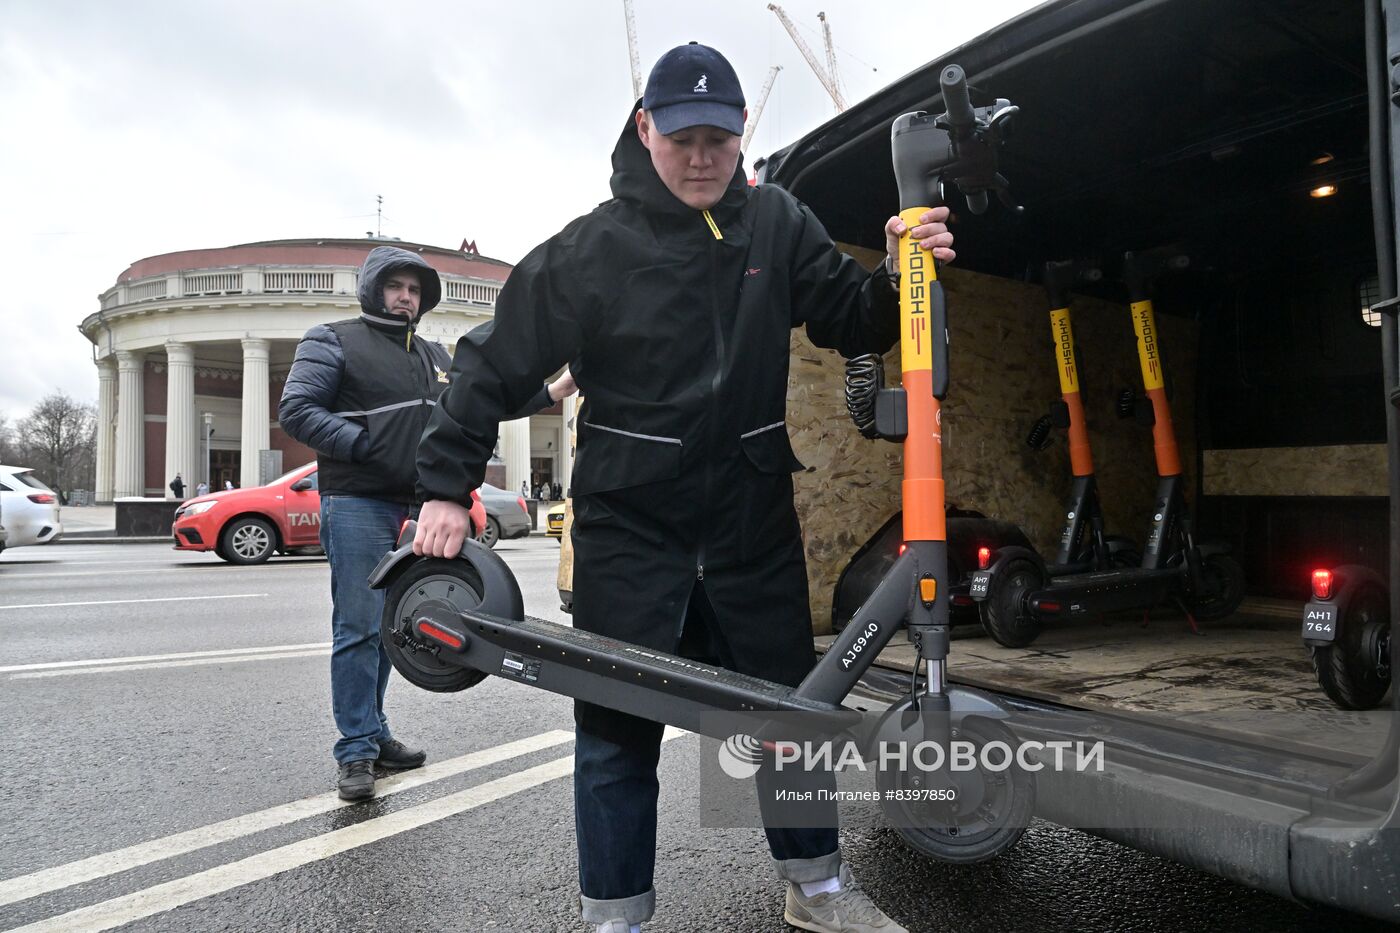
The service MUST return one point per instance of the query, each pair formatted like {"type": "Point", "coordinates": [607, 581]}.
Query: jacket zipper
{"type": "Point", "coordinates": [714, 386]}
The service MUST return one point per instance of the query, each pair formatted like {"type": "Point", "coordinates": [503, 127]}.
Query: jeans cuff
{"type": "Point", "coordinates": [635, 909]}
{"type": "Point", "coordinates": [806, 870]}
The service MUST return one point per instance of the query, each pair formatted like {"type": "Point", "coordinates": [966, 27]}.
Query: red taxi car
{"type": "Point", "coordinates": [247, 526]}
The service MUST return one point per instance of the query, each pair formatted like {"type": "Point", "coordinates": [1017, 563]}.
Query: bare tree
{"type": "Point", "coordinates": [8, 453]}
{"type": "Point", "coordinates": [59, 439]}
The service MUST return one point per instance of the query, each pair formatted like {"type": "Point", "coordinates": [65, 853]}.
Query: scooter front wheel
{"type": "Point", "coordinates": [958, 816]}
{"type": "Point", "coordinates": [431, 582]}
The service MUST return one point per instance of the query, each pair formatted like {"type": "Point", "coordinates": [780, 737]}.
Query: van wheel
{"type": "Point", "coordinates": [1354, 670]}
{"type": "Point", "coordinates": [1222, 581]}
{"type": "Point", "coordinates": [1005, 616]}
{"type": "Point", "coordinates": [248, 540]}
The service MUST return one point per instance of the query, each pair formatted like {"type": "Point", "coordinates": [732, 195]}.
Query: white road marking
{"type": "Point", "coordinates": [173, 569]}
{"type": "Point", "coordinates": [116, 602]}
{"type": "Point", "coordinates": [172, 894]}
{"type": "Point", "coordinates": [110, 863]}
{"type": "Point", "coordinates": [156, 665]}
{"type": "Point", "coordinates": [132, 659]}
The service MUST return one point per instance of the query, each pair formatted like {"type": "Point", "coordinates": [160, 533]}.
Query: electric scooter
{"type": "Point", "coordinates": [1083, 545]}
{"type": "Point", "coordinates": [1020, 592]}
{"type": "Point", "coordinates": [449, 623]}
{"type": "Point", "coordinates": [1347, 631]}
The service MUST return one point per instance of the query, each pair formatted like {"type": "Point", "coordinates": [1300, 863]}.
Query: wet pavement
{"type": "Point", "coordinates": [155, 785]}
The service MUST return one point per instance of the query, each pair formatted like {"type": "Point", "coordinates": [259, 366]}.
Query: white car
{"type": "Point", "coordinates": [30, 508]}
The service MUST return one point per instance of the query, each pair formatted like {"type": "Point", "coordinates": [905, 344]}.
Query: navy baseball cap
{"type": "Point", "coordinates": [693, 85]}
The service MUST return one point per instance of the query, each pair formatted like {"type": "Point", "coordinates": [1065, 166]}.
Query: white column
{"type": "Point", "coordinates": [106, 418]}
{"type": "Point", "coordinates": [181, 437]}
{"type": "Point", "coordinates": [130, 469]}
{"type": "Point", "coordinates": [566, 450]}
{"type": "Point", "coordinates": [256, 420]}
{"type": "Point", "coordinates": [515, 451]}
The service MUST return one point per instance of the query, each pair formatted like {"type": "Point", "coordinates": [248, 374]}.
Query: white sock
{"type": "Point", "coordinates": [813, 888]}
{"type": "Point", "coordinates": [636, 928]}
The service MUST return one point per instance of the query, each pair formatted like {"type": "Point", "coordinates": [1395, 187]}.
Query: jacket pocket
{"type": "Point", "coordinates": [769, 449]}
{"type": "Point", "coordinates": [394, 432]}
{"type": "Point", "coordinates": [611, 458]}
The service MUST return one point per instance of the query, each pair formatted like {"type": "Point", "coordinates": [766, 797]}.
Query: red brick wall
{"type": "Point", "coordinates": [155, 449]}
{"type": "Point", "coordinates": [294, 453]}
{"type": "Point", "coordinates": [154, 389]}
{"type": "Point", "coordinates": [213, 385]}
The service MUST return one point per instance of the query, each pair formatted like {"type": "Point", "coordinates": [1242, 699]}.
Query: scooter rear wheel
{"type": "Point", "coordinates": [1005, 615]}
{"type": "Point", "coordinates": [1354, 671]}
{"type": "Point", "coordinates": [990, 812]}
{"type": "Point", "coordinates": [1222, 581]}
{"type": "Point", "coordinates": [430, 582]}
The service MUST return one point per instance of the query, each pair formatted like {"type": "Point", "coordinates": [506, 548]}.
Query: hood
{"type": "Point", "coordinates": [383, 260]}
{"type": "Point", "coordinates": [634, 178]}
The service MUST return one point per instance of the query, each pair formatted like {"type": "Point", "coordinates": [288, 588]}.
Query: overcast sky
{"type": "Point", "coordinates": [133, 128]}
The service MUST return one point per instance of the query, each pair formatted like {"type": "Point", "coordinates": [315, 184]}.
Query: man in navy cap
{"type": "Point", "coordinates": [673, 304]}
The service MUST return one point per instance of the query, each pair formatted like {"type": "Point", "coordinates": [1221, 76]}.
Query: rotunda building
{"type": "Point", "coordinates": [193, 347]}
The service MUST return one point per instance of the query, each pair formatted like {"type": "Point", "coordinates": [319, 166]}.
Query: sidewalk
{"type": "Point", "coordinates": [95, 524]}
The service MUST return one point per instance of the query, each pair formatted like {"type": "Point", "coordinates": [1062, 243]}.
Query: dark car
{"type": "Point", "coordinates": [507, 516]}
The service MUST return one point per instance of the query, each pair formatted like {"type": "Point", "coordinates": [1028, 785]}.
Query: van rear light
{"type": "Point", "coordinates": [1322, 584]}
{"type": "Point", "coordinates": [984, 558]}
{"type": "Point", "coordinates": [43, 498]}
{"type": "Point", "coordinates": [902, 549]}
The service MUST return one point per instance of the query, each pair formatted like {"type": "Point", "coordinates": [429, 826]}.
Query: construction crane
{"type": "Point", "coordinates": [632, 49]}
{"type": "Point", "coordinates": [811, 57]}
{"type": "Point", "coordinates": [839, 96]}
{"type": "Point", "coordinates": [758, 107]}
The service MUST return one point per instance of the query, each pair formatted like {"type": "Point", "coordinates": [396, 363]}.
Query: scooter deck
{"type": "Point", "coordinates": [652, 684]}
{"type": "Point", "coordinates": [1105, 591]}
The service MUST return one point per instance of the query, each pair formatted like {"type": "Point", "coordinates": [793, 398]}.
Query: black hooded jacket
{"type": "Point", "coordinates": [360, 390]}
{"type": "Point", "coordinates": [675, 323]}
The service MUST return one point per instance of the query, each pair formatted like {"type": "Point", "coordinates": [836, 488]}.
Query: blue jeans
{"type": "Point", "coordinates": [616, 789]}
{"type": "Point", "coordinates": [356, 532]}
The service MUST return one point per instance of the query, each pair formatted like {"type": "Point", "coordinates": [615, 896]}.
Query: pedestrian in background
{"type": "Point", "coordinates": [177, 486]}
{"type": "Point", "coordinates": [359, 393]}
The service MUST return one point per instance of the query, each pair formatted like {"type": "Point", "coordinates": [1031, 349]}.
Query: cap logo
{"type": "Point", "coordinates": [700, 87]}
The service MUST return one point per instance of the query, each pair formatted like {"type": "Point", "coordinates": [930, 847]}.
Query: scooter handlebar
{"type": "Point", "coordinates": [960, 115]}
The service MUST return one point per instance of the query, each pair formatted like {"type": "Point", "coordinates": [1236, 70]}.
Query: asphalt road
{"type": "Point", "coordinates": [167, 730]}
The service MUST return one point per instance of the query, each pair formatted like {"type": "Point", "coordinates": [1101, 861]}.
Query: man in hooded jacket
{"type": "Point", "coordinates": [673, 303]}
{"type": "Point", "coordinates": [359, 393]}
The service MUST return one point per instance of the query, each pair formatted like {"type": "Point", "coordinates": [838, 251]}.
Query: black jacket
{"type": "Point", "coordinates": [360, 390]}
{"type": "Point", "coordinates": [678, 336]}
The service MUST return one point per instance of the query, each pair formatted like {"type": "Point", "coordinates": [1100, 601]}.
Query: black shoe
{"type": "Point", "coordinates": [397, 756]}
{"type": "Point", "coordinates": [356, 780]}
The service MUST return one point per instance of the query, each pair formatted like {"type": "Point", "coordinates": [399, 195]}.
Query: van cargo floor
{"type": "Point", "coordinates": [1248, 674]}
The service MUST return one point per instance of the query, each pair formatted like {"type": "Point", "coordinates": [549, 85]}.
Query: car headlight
{"type": "Point", "coordinates": [198, 508]}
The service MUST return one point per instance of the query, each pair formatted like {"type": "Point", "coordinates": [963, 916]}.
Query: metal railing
{"type": "Point", "coordinates": [274, 282]}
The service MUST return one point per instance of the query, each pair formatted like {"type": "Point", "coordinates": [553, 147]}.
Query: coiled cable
{"type": "Point", "coordinates": [865, 377]}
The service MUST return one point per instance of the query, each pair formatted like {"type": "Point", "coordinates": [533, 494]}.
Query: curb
{"type": "Point", "coordinates": [112, 539]}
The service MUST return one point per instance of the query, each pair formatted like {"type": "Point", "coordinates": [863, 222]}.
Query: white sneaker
{"type": "Point", "coordinates": [614, 926]}
{"type": "Point", "coordinates": [849, 910]}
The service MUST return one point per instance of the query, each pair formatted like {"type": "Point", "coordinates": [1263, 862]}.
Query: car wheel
{"type": "Point", "coordinates": [248, 540]}
{"type": "Point", "coordinates": [491, 533]}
